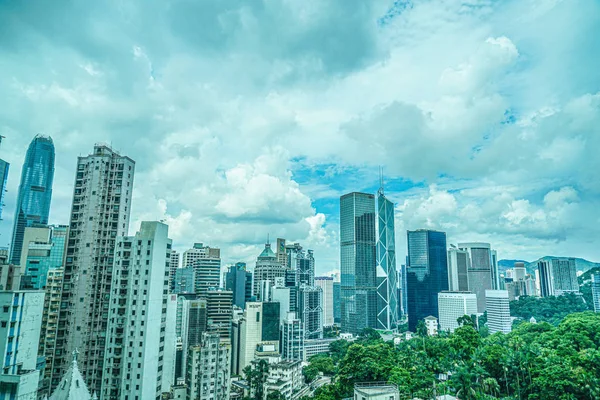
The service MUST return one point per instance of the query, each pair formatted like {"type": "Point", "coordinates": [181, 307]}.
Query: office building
{"type": "Point", "coordinates": [208, 374]}
{"type": "Point", "coordinates": [480, 272]}
{"type": "Point", "coordinates": [190, 323]}
{"type": "Point", "coordinates": [219, 304]}
{"type": "Point", "coordinates": [206, 261]}
{"type": "Point", "coordinates": [72, 385]}
{"type": "Point", "coordinates": [10, 275]}
{"type": "Point", "coordinates": [136, 344]}
{"type": "Point", "coordinates": [498, 311]}
{"type": "Point", "coordinates": [452, 306]}
{"type": "Point", "coordinates": [304, 264]}
{"type": "Point", "coordinates": [184, 281]}
{"type": "Point", "coordinates": [20, 324]}
{"type": "Point", "coordinates": [326, 285]}
{"type": "Point", "coordinates": [564, 273]}
{"type": "Point", "coordinates": [99, 215]}
{"type": "Point", "coordinates": [403, 290]}
{"type": "Point", "coordinates": [358, 262]}
{"type": "Point", "coordinates": [310, 311]}
{"type": "Point", "coordinates": [4, 167]}
{"type": "Point", "coordinates": [173, 267]}
{"type": "Point", "coordinates": [281, 253]}
{"type": "Point", "coordinates": [239, 281]}
{"type": "Point", "coordinates": [42, 254]}
{"type": "Point", "coordinates": [259, 324]}
{"type": "Point", "coordinates": [520, 283]}
{"type": "Point", "coordinates": [35, 192]}
{"type": "Point", "coordinates": [387, 274]}
{"type": "Point", "coordinates": [427, 274]}
{"type": "Point", "coordinates": [546, 280]}
{"type": "Point", "coordinates": [49, 330]}
{"type": "Point", "coordinates": [596, 291]}
{"type": "Point", "coordinates": [292, 338]}
{"type": "Point", "coordinates": [459, 263]}
{"type": "Point", "coordinates": [283, 295]}
{"type": "Point", "coordinates": [266, 270]}
{"type": "Point", "coordinates": [337, 302]}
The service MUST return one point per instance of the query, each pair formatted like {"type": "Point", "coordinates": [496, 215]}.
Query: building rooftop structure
{"type": "Point", "coordinates": [72, 385]}
{"type": "Point", "coordinates": [376, 391]}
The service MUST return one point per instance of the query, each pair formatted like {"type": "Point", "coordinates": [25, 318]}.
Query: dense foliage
{"type": "Point", "coordinates": [547, 309]}
{"type": "Point", "coordinates": [535, 362]}
{"type": "Point", "coordinates": [585, 286]}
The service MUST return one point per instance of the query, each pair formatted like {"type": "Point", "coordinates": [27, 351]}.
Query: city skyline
{"type": "Point", "coordinates": [273, 146]}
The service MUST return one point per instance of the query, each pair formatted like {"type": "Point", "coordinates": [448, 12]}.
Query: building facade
{"type": "Point", "coordinates": [358, 258]}
{"type": "Point", "coordinates": [20, 325]}
{"type": "Point", "coordinates": [596, 291]}
{"type": "Point", "coordinates": [173, 267]}
{"type": "Point", "coordinates": [206, 261]}
{"type": "Point", "coordinates": [498, 311]}
{"type": "Point", "coordinates": [184, 281]}
{"type": "Point", "coordinates": [387, 274]}
{"type": "Point", "coordinates": [564, 273]}
{"type": "Point", "coordinates": [452, 306]}
{"type": "Point", "coordinates": [208, 369]}
{"type": "Point", "coordinates": [239, 281]}
{"type": "Point", "coordinates": [267, 269]}
{"type": "Point", "coordinates": [337, 302]}
{"type": "Point", "coordinates": [40, 257]}
{"type": "Point", "coordinates": [4, 168]}
{"type": "Point", "coordinates": [35, 192]}
{"type": "Point", "coordinates": [99, 215]}
{"type": "Point", "coordinates": [326, 285]}
{"type": "Point", "coordinates": [137, 349]}
{"type": "Point", "coordinates": [427, 274]}
{"type": "Point", "coordinates": [459, 262]}
{"type": "Point", "coordinates": [480, 272]}
{"type": "Point", "coordinates": [310, 311]}
{"type": "Point", "coordinates": [292, 338]}
{"type": "Point", "coordinates": [219, 304]}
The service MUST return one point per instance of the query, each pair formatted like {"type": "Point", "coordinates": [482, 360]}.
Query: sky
{"type": "Point", "coordinates": [249, 119]}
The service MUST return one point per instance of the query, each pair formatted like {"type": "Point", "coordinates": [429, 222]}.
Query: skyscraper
{"type": "Point", "coordinates": [136, 349]}
{"type": "Point", "coordinates": [206, 261]}
{"type": "Point", "coordinates": [239, 281]}
{"type": "Point", "coordinates": [337, 302]}
{"type": "Point", "coordinates": [427, 274]}
{"type": "Point", "coordinates": [564, 272]}
{"type": "Point", "coordinates": [100, 214]}
{"type": "Point", "coordinates": [358, 262]}
{"type": "Point", "coordinates": [4, 167]}
{"type": "Point", "coordinates": [41, 256]}
{"type": "Point", "coordinates": [458, 268]}
{"type": "Point", "coordinates": [35, 191]}
{"type": "Point", "coordinates": [326, 285]}
{"type": "Point", "coordinates": [387, 274]}
{"type": "Point", "coordinates": [596, 291]}
{"type": "Point", "coordinates": [292, 338]}
{"type": "Point", "coordinates": [267, 269]}
{"type": "Point", "coordinates": [498, 311]}
{"type": "Point", "coordinates": [545, 278]}
{"type": "Point", "coordinates": [173, 267]}
{"type": "Point", "coordinates": [219, 312]}
{"type": "Point", "coordinates": [310, 311]}
{"type": "Point", "coordinates": [480, 272]}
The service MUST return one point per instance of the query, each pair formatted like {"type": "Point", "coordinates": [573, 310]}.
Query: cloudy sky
{"type": "Point", "coordinates": [249, 118]}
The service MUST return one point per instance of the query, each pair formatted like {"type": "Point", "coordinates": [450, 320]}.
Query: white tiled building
{"type": "Point", "coordinates": [139, 356]}
{"type": "Point", "coordinates": [20, 324]}
{"type": "Point", "coordinates": [498, 311]}
{"type": "Point", "coordinates": [208, 375]}
{"type": "Point", "coordinates": [453, 305]}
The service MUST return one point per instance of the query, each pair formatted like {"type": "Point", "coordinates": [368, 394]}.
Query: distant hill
{"type": "Point", "coordinates": [582, 265]}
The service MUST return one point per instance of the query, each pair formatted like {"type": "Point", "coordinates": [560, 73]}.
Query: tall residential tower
{"type": "Point", "coordinates": [100, 214]}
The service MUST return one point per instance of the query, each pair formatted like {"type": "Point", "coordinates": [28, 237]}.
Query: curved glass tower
{"type": "Point", "coordinates": [35, 191]}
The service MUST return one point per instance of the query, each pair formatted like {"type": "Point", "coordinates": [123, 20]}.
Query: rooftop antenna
{"type": "Point", "coordinates": [268, 239]}
{"type": "Point", "coordinates": [380, 179]}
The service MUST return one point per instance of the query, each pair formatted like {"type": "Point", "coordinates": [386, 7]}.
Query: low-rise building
{"type": "Point", "coordinates": [313, 347]}
{"type": "Point", "coordinates": [285, 377]}
{"type": "Point", "coordinates": [376, 391]}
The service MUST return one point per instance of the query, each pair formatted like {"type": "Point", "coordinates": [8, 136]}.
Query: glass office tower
{"type": "Point", "coordinates": [358, 262]}
{"type": "Point", "coordinates": [427, 274]}
{"type": "Point", "coordinates": [387, 275]}
{"type": "Point", "coordinates": [35, 191]}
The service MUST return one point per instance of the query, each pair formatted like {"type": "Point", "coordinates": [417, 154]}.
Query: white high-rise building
{"type": "Point", "coordinates": [20, 324]}
{"type": "Point", "coordinates": [282, 295]}
{"type": "Point", "coordinates": [453, 305]}
{"type": "Point", "coordinates": [459, 263]}
{"type": "Point", "coordinates": [99, 215]}
{"type": "Point", "coordinates": [498, 311]}
{"type": "Point", "coordinates": [140, 347]}
{"type": "Point", "coordinates": [596, 291]}
{"type": "Point", "coordinates": [259, 324]}
{"type": "Point", "coordinates": [173, 266]}
{"type": "Point", "coordinates": [208, 374]}
{"type": "Point", "coordinates": [326, 284]}
{"type": "Point", "coordinates": [206, 261]}
{"type": "Point", "coordinates": [292, 338]}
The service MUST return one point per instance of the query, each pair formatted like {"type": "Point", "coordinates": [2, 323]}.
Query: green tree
{"type": "Point", "coordinates": [321, 363]}
{"type": "Point", "coordinates": [338, 349]}
{"type": "Point", "coordinates": [276, 395]}
{"type": "Point", "coordinates": [256, 376]}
